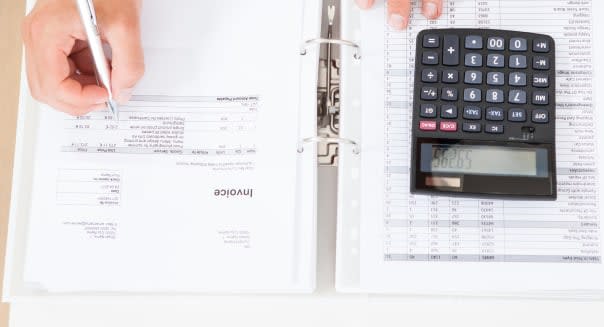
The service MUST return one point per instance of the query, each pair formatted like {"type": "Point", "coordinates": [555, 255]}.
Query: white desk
{"type": "Point", "coordinates": [322, 309]}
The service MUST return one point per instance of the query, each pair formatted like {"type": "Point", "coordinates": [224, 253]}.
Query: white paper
{"type": "Point", "coordinates": [195, 188]}
{"type": "Point", "coordinates": [426, 244]}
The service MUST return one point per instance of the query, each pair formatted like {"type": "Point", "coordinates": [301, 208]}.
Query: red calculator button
{"type": "Point", "coordinates": [448, 126]}
{"type": "Point", "coordinates": [427, 125]}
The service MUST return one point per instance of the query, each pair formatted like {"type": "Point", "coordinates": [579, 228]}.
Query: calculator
{"type": "Point", "coordinates": [484, 120]}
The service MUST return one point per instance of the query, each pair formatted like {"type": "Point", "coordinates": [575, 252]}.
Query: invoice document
{"type": "Point", "coordinates": [194, 189]}
{"type": "Point", "coordinates": [431, 244]}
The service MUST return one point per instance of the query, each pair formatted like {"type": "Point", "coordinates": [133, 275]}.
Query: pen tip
{"type": "Point", "coordinates": [112, 106]}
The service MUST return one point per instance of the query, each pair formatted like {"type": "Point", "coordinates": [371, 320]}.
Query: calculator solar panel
{"type": "Point", "coordinates": [484, 114]}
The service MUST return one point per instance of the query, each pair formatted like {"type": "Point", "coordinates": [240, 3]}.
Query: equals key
{"type": "Point", "coordinates": [451, 50]}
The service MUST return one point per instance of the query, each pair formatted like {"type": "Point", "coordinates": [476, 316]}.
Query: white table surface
{"type": "Point", "coordinates": [321, 309]}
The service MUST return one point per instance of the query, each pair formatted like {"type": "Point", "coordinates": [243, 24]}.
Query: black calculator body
{"type": "Point", "coordinates": [484, 114]}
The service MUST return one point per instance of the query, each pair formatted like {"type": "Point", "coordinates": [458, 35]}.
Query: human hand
{"type": "Point", "coordinates": [60, 69]}
{"type": "Point", "coordinates": [399, 10]}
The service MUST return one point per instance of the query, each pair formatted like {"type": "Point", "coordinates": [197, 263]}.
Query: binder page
{"type": "Point", "coordinates": [433, 244]}
{"type": "Point", "coordinates": [194, 188]}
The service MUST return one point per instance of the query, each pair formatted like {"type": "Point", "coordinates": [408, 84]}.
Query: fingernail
{"type": "Point", "coordinates": [101, 101]}
{"type": "Point", "coordinates": [364, 4]}
{"type": "Point", "coordinates": [124, 96]}
{"type": "Point", "coordinates": [430, 9]}
{"type": "Point", "coordinates": [397, 21]}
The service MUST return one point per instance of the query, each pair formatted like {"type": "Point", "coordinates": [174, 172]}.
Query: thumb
{"type": "Point", "coordinates": [127, 63]}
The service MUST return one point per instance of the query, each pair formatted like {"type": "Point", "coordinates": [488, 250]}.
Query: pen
{"type": "Point", "coordinates": [88, 15]}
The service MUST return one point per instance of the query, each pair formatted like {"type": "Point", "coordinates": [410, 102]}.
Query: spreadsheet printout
{"type": "Point", "coordinates": [463, 244]}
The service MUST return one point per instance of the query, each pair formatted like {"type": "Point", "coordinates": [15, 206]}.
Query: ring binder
{"type": "Point", "coordinates": [357, 54]}
{"type": "Point", "coordinates": [356, 149]}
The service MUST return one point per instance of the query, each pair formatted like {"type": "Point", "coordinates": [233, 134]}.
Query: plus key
{"type": "Point", "coordinates": [451, 50]}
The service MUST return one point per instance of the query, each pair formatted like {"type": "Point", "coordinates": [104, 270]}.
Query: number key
{"type": "Point", "coordinates": [495, 78]}
{"type": "Point", "coordinates": [517, 97]}
{"type": "Point", "coordinates": [496, 60]}
{"type": "Point", "coordinates": [473, 60]}
{"type": "Point", "coordinates": [518, 61]}
{"type": "Point", "coordinates": [517, 79]}
{"type": "Point", "coordinates": [518, 44]}
{"type": "Point", "coordinates": [495, 96]}
{"type": "Point", "coordinates": [472, 95]}
{"type": "Point", "coordinates": [496, 43]}
{"type": "Point", "coordinates": [473, 77]}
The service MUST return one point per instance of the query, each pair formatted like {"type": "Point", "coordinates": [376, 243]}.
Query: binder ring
{"type": "Point", "coordinates": [308, 43]}
{"type": "Point", "coordinates": [356, 149]}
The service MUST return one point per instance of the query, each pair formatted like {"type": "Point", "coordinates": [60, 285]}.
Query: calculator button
{"type": "Point", "coordinates": [517, 79]}
{"type": "Point", "coordinates": [540, 98]}
{"type": "Point", "coordinates": [430, 58]}
{"type": "Point", "coordinates": [473, 42]}
{"type": "Point", "coordinates": [427, 125]}
{"type": "Point", "coordinates": [472, 112]}
{"type": "Point", "coordinates": [495, 60]}
{"type": "Point", "coordinates": [448, 126]}
{"type": "Point", "coordinates": [429, 93]}
{"type": "Point", "coordinates": [494, 96]}
{"type": "Point", "coordinates": [518, 44]}
{"type": "Point", "coordinates": [540, 116]}
{"type": "Point", "coordinates": [473, 77]}
{"type": "Point", "coordinates": [429, 76]}
{"type": "Point", "coordinates": [541, 45]}
{"type": "Point", "coordinates": [451, 50]}
{"type": "Point", "coordinates": [472, 95]}
{"type": "Point", "coordinates": [540, 63]}
{"type": "Point", "coordinates": [449, 94]}
{"type": "Point", "coordinates": [518, 61]}
{"type": "Point", "coordinates": [541, 80]}
{"type": "Point", "coordinates": [450, 76]}
{"type": "Point", "coordinates": [496, 43]}
{"type": "Point", "coordinates": [427, 111]}
{"type": "Point", "coordinates": [431, 41]}
{"type": "Point", "coordinates": [473, 60]}
{"type": "Point", "coordinates": [471, 127]}
{"type": "Point", "coordinates": [494, 129]}
{"type": "Point", "coordinates": [517, 115]}
{"type": "Point", "coordinates": [494, 114]}
{"type": "Point", "coordinates": [448, 111]}
{"type": "Point", "coordinates": [517, 97]}
{"type": "Point", "coordinates": [494, 78]}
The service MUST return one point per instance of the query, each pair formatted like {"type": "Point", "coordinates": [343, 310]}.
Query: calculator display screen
{"type": "Point", "coordinates": [484, 160]}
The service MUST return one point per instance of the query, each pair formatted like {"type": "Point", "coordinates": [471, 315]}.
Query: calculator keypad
{"type": "Point", "coordinates": [485, 85]}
